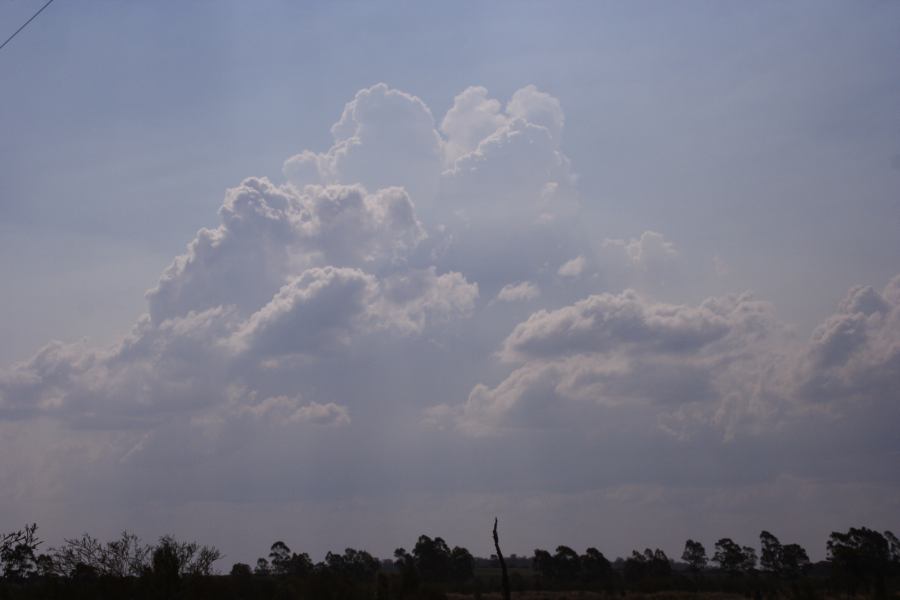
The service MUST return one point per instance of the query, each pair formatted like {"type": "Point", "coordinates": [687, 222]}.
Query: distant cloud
{"type": "Point", "coordinates": [853, 358]}
{"type": "Point", "coordinates": [650, 251]}
{"type": "Point", "coordinates": [572, 268]}
{"type": "Point", "coordinates": [515, 292]}
{"type": "Point", "coordinates": [291, 410]}
{"type": "Point", "coordinates": [619, 349]}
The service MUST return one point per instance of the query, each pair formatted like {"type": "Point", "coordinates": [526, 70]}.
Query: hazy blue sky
{"type": "Point", "coordinates": [619, 273]}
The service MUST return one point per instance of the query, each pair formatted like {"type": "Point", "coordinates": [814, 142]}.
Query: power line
{"type": "Point", "coordinates": [25, 24]}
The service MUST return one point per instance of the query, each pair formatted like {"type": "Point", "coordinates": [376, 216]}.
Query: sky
{"type": "Point", "coordinates": [341, 274]}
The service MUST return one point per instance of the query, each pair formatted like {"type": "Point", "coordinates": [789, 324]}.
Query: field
{"type": "Point", "coordinates": [576, 595]}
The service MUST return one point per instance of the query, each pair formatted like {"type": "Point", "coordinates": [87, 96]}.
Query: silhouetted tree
{"type": "Point", "coordinates": [748, 564]}
{"type": "Point", "coordinates": [284, 562]}
{"type": "Point", "coordinates": [860, 558]}
{"type": "Point", "coordinates": [406, 564]}
{"type": "Point", "coordinates": [45, 566]}
{"type": "Point", "coordinates": [241, 570]}
{"type": "Point", "coordinates": [17, 552]}
{"type": "Point", "coordinates": [771, 553]}
{"type": "Point", "coordinates": [504, 575]}
{"type": "Point", "coordinates": [279, 557]}
{"type": "Point", "coordinates": [729, 556]}
{"type": "Point", "coordinates": [354, 565]}
{"type": "Point", "coordinates": [165, 567]}
{"type": "Point", "coordinates": [462, 565]}
{"type": "Point", "coordinates": [123, 557]}
{"type": "Point", "coordinates": [567, 563]}
{"type": "Point", "coordinates": [542, 564]}
{"type": "Point", "coordinates": [649, 564]}
{"type": "Point", "coordinates": [262, 567]}
{"type": "Point", "coordinates": [694, 555]}
{"type": "Point", "coordinates": [893, 548]}
{"type": "Point", "coordinates": [794, 561]}
{"type": "Point", "coordinates": [432, 558]}
{"type": "Point", "coordinates": [595, 568]}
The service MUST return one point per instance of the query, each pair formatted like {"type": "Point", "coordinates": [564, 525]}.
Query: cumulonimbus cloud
{"type": "Point", "coordinates": [350, 299]}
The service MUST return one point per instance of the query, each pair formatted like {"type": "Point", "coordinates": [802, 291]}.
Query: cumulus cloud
{"type": "Point", "coordinates": [615, 349]}
{"type": "Point", "coordinates": [539, 108]}
{"type": "Point", "coordinates": [517, 292]}
{"type": "Point", "coordinates": [285, 410]}
{"type": "Point", "coordinates": [289, 272]}
{"type": "Point", "coordinates": [473, 117]}
{"type": "Point", "coordinates": [269, 231]}
{"type": "Point", "coordinates": [483, 157]}
{"type": "Point", "coordinates": [355, 288]}
{"type": "Point", "coordinates": [186, 363]}
{"type": "Point", "coordinates": [725, 365]}
{"type": "Point", "coordinates": [302, 272]}
{"type": "Point", "coordinates": [384, 137]}
{"type": "Point", "coordinates": [854, 355]}
{"type": "Point", "coordinates": [572, 268]}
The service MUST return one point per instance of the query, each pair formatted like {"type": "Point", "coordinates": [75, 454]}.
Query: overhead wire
{"type": "Point", "coordinates": [25, 24]}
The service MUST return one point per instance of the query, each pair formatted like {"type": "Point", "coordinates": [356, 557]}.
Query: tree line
{"type": "Point", "coordinates": [860, 561]}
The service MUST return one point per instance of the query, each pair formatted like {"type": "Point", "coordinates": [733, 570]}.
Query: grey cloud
{"type": "Point", "coordinates": [724, 364]}
{"type": "Point", "coordinates": [680, 366]}
{"type": "Point", "coordinates": [854, 355]}
{"type": "Point", "coordinates": [611, 322]}
{"type": "Point", "coordinates": [285, 410]}
{"type": "Point", "coordinates": [310, 314]}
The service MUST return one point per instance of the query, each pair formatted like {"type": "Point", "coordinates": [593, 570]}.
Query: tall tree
{"type": "Point", "coordinates": [729, 556]}
{"type": "Point", "coordinates": [794, 561]}
{"type": "Point", "coordinates": [771, 553]}
{"type": "Point", "coordinates": [860, 558]}
{"type": "Point", "coordinates": [694, 555]}
{"type": "Point", "coordinates": [595, 567]}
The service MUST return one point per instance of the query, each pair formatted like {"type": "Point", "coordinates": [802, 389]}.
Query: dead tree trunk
{"type": "Point", "coordinates": [504, 574]}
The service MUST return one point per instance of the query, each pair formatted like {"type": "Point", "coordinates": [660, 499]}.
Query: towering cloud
{"type": "Point", "coordinates": [419, 304]}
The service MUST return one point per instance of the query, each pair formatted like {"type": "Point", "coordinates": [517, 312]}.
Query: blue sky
{"type": "Point", "coordinates": [708, 149]}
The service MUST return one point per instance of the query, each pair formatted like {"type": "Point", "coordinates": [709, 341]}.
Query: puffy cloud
{"type": "Point", "coordinates": [268, 231]}
{"type": "Point", "coordinates": [285, 410]}
{"type": "Point", "coordinates": [682, 364]}
{"type": "Point", "coordinates": [325, 307]}
{"type": "Point", "coordinates": [473, 117]}
{"type": "Point", "coordinates": [354, 289]}
{"type": "Point", "coordinates": [572, 268]}
{"type": "Point", "coordinates": [516, 292]}
{"type": "Point", "coordinates": [316, 311]}
{"type": "Point", "coordinates": [539, 108]}
{"type": "Point", "coordinates": [854, 355]}
{"type": "Point", "coordinates": [385, 137]}
{"type": "Point", "coordinates": [725, 364]}
{"type": "Point", "coordinates": [484, 160]}
{"type": "Point", "coordinates": [518, 167]}
{"type": "Point", "coordinates": [609, 322]}
{"type": "Point", "coordinates": [186, 364]}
